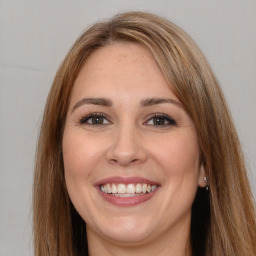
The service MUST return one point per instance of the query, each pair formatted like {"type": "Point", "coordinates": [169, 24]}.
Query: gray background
{"type": "Point", "coordinates": [36, 35]}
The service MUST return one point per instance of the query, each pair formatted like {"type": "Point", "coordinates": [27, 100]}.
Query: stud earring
{"type": "Point", "coordinates": [206, 181]}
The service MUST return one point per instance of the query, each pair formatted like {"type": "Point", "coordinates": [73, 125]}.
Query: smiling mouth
{"type": "Point", "coordinates": [127, 190]}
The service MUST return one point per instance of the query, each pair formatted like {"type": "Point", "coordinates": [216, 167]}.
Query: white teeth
{"type": "Point", "coordinates": [121, 189]}
{"type": "Point", "coordinates": [114, 189]}
{"type": "Point", "coordinates": [144, 188]}
{"type": "Point", "coordinates": [126, 195]}
{"type": "Point", "coordinates": [130, 189]}
{"type": "Point", "coordinates": [109, 188]}
{"type": "Point", "coordinates": [127, 190]}
{"type": "Point", "coordinates": [153, 188]}
{"type": "Point", "coordinates": [138, 188]}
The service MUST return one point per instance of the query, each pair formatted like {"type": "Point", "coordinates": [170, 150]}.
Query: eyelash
{"type": "Point", "coordinates": [84, 120]}
{"type": "Point", "coordinates": [170, 121]}
{"type": "Point", "coordinates": [161, 117]}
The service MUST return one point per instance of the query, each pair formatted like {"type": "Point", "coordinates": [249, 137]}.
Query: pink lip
{"type": "Point", "coordinates": [126, 201]}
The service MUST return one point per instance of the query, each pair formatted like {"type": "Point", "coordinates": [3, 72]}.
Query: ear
{"type": "Point", "coordinates": [201, 177]}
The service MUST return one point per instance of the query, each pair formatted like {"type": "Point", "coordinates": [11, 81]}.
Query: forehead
{"type": "Point", "coordinates": [121, 67]}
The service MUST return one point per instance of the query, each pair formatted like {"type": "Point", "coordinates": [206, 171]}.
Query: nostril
{"type": "Point", "coordinates": [123, 162]}
{"type": "Point", "coordinates": [113, 161]}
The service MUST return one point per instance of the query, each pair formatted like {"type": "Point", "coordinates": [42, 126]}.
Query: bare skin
{"type": "Point", "coordinates": [124, 121]}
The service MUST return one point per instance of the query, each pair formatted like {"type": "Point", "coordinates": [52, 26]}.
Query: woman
{"type": "Point", "coordinates": [137, 152]}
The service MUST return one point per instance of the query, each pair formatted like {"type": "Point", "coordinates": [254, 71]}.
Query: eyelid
{"type": "Point", "coordinates": [83, 119]}
{"type": "Point", "coordinates": [172, 121]}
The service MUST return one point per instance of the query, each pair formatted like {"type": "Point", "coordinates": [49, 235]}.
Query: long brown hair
{"type": "Point", "coordinates": [223, 218]}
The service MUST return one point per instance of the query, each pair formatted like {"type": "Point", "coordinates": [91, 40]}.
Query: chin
{"type": "Point", "coordinates": [128, 237]}
{"type": "Point", "coordinates": [127, 231]}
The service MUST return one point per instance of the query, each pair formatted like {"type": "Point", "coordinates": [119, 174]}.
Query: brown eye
{"type": "Point", "coordinates": [94, 119]}
{"type": "Point", "coordinates": [161, 120]}
{"type": "Point", "coordinates": [97, 120]}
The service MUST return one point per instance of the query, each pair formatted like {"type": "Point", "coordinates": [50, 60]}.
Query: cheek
{"type": "Point", "coordinates": [180, 162]}
{"type": "Point", "coordinates": [79, 158]}
{"type": "Point", "coordinates": [180, 151]}
{"type": "Point", "coordinates": [74, 158]}
{"type": "Point", "coordinates": [80, 155]}
{"type": "Point", "coordinates": [179, 158]}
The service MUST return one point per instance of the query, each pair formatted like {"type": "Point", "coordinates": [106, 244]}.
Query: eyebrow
{"type": "Point", "coordinates": [94, 101]}
{"type": "Point", "coordinates": [108, 103]}
{"type": "Point", "coordinates": [155, 101]}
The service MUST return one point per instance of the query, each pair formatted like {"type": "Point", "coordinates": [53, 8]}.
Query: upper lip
{"type": "Point", "coordinates": [125, 180]}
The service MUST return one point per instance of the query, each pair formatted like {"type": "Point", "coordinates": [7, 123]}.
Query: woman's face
{"type": "Point", "coordinates": [131, 153]}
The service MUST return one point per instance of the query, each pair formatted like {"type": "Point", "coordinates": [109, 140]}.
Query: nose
{"type": "Point", "coordinates": [126, 147]}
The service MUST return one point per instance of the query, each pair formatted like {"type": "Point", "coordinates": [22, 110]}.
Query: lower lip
{"type": "Point", "coordinates": [127, 201]}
